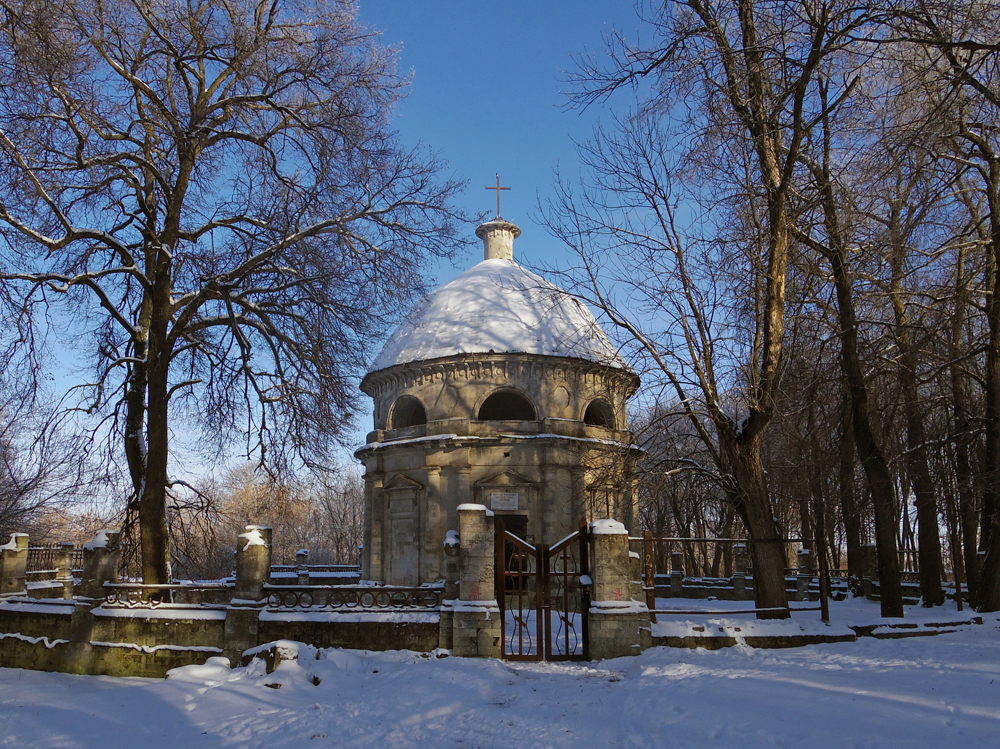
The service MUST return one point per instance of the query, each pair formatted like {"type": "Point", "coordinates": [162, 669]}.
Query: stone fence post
{"type": "Point", "coordinates": [677, 575]}
{"type": "Point", "coordinates": [740, 573]}
{"type": "Point", "coordinates": [619, 625]}
{"type": "Point", "coordinates": [13, 560]}
{"type": "Point", "coordinates": [301, 570]}
{"type": "Point", "coordinates": [253, 565]}
{"type": "Point", "coordinates": [805, 576]}
{"type": "Point", "coordinates": [100, 563]}
{"type": "Point", "coordinates": [476, 618]}
{"type": "Point", "coordinates": [64, 572]}
{"type": "Point", "coordinates": [869, 569]}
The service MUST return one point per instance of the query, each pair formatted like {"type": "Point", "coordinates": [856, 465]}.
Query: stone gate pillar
{"type": "Point", "coordinates": [619, 625]}
{"type": "Point", "coordinates": [476, 622]}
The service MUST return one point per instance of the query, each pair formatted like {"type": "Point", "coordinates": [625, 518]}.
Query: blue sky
{"type": "Point", "coordinates": [487, 95]}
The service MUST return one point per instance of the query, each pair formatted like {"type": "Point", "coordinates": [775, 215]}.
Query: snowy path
{"type": "Point", "coordinates": [921, 692]}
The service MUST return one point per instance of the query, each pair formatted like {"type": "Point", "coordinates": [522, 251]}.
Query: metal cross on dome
{"type": "Point", "coordinates": [498, 189]}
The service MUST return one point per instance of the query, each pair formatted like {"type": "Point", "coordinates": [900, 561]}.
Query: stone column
{"type": "Point", "coordinates": [677, 575]}
{"type": "Point", "coordinates": [805, 576]}
{"type": "Point", "coordinates": [740, 573]}
{"type": "Point", "coordinates": [253, 566]}
{"type": "Point", "coordinates": [618, 624]}
{"type": "Point", "coordinates": [13, 560]}
{"type": "Point", "coordinates": [476, 623]}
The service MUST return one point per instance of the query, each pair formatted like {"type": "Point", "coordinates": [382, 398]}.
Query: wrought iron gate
{"type": "Point", "coordinates": [544, 596]}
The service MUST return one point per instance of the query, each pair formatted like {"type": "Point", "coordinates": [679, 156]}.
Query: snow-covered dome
{"type": "Point", "coordinates": [498, 307]}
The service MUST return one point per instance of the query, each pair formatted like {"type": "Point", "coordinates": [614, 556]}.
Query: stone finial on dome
{"type": "Point", "coordinates": [498, 238]}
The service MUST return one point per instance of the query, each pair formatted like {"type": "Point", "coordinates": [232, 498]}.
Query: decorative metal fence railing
{"type": "Point", "coordinates": [367, 597]}
{"type": "Point", "coordinates": [43, 558]}
{"type": "Point", "coordinates": [138, 595]}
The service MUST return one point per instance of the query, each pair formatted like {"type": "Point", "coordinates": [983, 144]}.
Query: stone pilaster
{"type": "Point", "coordinates": [476, 615]}
{"type": "Point", "coordinates": [619, 625]}
{"type": "Point", "coordinates": [13, 560]}
{"type": "Point", "coordinates": [433, 528]}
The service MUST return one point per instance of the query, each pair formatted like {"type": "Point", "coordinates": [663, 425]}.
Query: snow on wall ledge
{"type": "Point", "coordinates": [607, 528]}
{"type": "Point", "coordinates": [498, 306]}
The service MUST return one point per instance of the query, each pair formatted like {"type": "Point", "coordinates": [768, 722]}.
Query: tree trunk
{"type": "Point", "coordinates": [876, 470]}
{"type": "Point", "coordinates": [766, 545]}
{"type": "Point", "coordinates": [849, 505]}
{"type": "Point", "coordinates": [988, 598]}
{"type": "Point", "coordinates": [961, 436]}
{"type": "Point", "coordinates": [916, 451]}
{"type": "Point", "coordinates": [153, 531]}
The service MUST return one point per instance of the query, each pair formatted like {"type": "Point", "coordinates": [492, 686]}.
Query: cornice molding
{"type": "Point", "coordinates": [494, 368]}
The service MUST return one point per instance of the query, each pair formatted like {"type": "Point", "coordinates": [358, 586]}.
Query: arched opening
{"type": "Point", "coordinates": [506, 405]}
{"type": "Point", "coordinates": [407, 412]}
{"type": "Point", "coordinates": [599, 414]}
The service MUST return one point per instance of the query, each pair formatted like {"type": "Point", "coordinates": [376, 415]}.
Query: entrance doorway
{"type": "Point", "coordinates": [544, 595]}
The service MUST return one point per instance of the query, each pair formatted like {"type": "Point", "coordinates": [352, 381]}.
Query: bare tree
{"type": "Point", "coordinates": [42, 466]}
{"type": "Point", "coordinates": [956, 42]}
{"type": "Point", "coordinates": [211, 195]}
{"type": "Point", "coordinates": [738, 81]}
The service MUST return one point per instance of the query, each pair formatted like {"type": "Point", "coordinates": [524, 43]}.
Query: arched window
{"type": "Point", "coordinates": [600, 414]}
{"type": "Point", "coordinates": [506, 405]}
{"type": "Point", "coordinates": [407, 412]}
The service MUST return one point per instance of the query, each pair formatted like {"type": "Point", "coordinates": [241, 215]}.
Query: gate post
{"type": "Point", "coordinates": [618, 624]}
{"type": "Point", "coordinates": [476, 630]}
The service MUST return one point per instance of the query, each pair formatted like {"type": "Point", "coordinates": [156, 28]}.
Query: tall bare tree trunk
{"type": "Point", "coordinates": [153, 530]}
{"type": "Point", "coordinates": [766, 544]}
{"type": "Point", "coordinates": [961, 436]}
{"type": "Point", "coordinates": [988, 598]}
{"type": "Point", "coordinates": [849, 505]}
{"type": "Point", "coordinates": [916, 450]}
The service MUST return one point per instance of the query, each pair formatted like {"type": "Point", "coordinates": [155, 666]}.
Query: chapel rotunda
{"type": "Point", "coordinates": [498, 389]}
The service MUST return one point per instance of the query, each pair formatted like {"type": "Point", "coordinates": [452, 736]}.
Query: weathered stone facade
{"type": "Point", "coordinates": [441, 439]}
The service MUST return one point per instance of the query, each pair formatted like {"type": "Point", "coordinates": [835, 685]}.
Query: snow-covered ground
{"type": "Point", "coordinates": [922, 692]}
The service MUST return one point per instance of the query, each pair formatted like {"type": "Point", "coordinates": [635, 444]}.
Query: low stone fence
{"type": "Point", "coordinates": [97, 624]}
